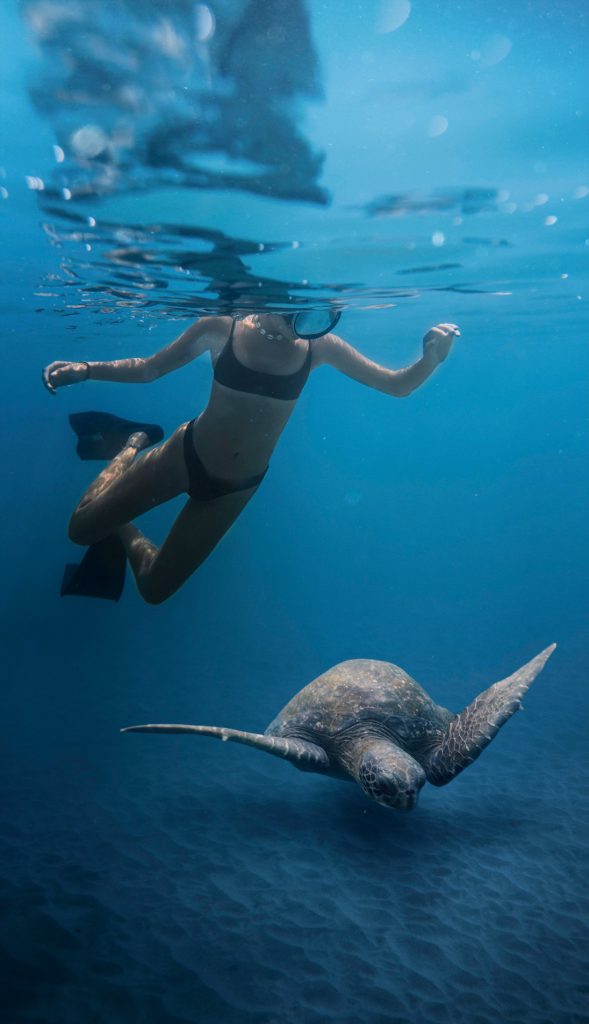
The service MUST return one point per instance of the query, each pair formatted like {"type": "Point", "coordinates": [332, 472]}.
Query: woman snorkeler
{"type": "Point", "coordinates": [260, 365]}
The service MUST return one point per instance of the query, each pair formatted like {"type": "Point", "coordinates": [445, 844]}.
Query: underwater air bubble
{"type": "Point", "coordinates": [392, 14]}
{"type": "Point", "coordinates": [89, 141]}
{"type": "Point", "coordinates": [494, 49]}
{"type": "Point", "coordinates": [437, 126]}
{"type": "Point", "coordinates": [205, 23]}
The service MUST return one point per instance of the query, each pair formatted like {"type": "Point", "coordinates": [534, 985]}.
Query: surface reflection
{"type": "Point", "coordinates": [139, 98]}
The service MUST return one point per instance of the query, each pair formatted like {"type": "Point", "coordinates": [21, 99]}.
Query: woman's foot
{"type": "Point", "coordinates": [116, 467]}
{"type": "Point", "coordinates": [138, 440]}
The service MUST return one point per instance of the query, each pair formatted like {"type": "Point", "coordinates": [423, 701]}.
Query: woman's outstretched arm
{"type": "Point", "coordinates": [337, 353]}
{"type": "Point", "coordinates": [195, 340]}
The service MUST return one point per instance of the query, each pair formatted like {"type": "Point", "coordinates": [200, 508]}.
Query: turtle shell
{"type": "Point", "coordinates": [361, 694]}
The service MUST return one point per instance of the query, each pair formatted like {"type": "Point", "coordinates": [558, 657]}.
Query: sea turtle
{"type": "Point", "coordinates": [371, 723]}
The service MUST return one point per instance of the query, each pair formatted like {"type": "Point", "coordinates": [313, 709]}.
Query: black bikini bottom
{"type": "Point", "coordinates": [203, 486]}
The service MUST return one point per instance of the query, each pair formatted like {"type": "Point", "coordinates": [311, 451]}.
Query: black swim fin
{"type": "Point", "coordinates": [101, 573]}
{"type": "Point", "coordinates": [102, 435]}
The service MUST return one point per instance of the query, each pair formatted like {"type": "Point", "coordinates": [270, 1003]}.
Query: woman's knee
{"type": "Point", "coordinates": [153, 594]}
{"type": "Point", "coordinates": [80, 531]}
{"type": "Point", "coordinates": [156, 586]}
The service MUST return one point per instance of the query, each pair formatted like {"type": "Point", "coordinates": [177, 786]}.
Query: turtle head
{"type": "Point", "coordinates": [390, 776]}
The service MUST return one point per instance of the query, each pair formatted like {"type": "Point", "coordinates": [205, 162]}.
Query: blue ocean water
{"type": "Point", "coordinates": [416, 163]}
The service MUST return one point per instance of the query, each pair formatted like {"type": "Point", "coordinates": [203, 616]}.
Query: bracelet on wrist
{"type": "Point", "coordinates": [87, 365]}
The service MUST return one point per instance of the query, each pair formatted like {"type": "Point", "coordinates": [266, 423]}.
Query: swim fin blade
{"type": "Point", "coordinates": [102, 435]}
{"type": "Point", "coordinates": [101, 573]}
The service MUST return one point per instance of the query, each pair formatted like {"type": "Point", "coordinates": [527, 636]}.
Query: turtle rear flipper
{"type": "Point", "coordinates": [473, 729]}
{"type": "Point", "coordinates": [307, 756]}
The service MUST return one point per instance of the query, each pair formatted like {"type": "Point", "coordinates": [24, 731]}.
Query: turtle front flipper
{"type": "Point", "coordinates": [473, 729]}
{"type": "Point", "coordinates": [309, 757]}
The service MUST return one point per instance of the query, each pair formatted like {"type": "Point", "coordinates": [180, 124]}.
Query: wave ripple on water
{"type": "Point", "coordinates": [201, 110]}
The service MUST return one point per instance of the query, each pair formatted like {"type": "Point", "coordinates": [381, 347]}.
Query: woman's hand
{"type": "Point", "coordinates": [438, 341]}
{"type": "Point", "coordinates": [59, 374]}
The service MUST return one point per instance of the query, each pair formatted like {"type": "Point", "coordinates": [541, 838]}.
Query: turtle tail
{"type": "Point", "coordinates": [306, 756]}
{"type": "Point", "coordinates": [473, 729]}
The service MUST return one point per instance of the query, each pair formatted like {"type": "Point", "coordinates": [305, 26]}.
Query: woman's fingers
{"type": "Point", "coordinates": [450, 329]}
{"type": "Point", "coordinates": [438, 340]}
{"type": "Point", "coordinates": [50, 375]}
{"type": "Point", "coordinates": [46, 382]}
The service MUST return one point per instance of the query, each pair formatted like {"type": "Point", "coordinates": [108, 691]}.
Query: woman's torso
{"type": "Point", "coordinates": [237, 432]}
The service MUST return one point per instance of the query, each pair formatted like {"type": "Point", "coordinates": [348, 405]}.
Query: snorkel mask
{"type": "Point", "coordinates": [313, 323]}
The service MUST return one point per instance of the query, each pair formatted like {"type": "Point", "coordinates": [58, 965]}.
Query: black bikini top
{"type": "Point", "coordinates": [232, 374]}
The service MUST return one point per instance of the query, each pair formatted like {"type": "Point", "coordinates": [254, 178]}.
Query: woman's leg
{"type": "Point", "coordinates": [159, 572]}
{"type": "Point", "coordinates": [127, 487]}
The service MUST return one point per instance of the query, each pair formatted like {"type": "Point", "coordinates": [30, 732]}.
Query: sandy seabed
{"type": "Point", "coordinates": [213, 885]}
